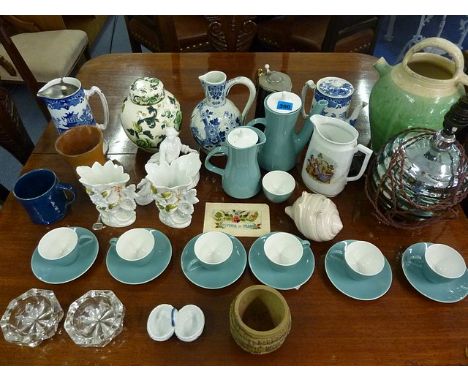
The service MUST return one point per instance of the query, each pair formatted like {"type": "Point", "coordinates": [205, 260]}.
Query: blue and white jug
{"type": "Point", "coordinates": [215, 116]}
{"type": "Point", "coordinates": [68, 105]}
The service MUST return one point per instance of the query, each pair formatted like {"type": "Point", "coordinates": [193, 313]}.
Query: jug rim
{"type": "Point", "coordinates": [212, 72]}
{"type": "Point", "coordinates": [55, 81]}
{"type": "Point", "coordinates": [335, 121]}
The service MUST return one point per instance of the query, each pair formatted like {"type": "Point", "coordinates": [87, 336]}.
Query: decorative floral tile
{"type": "Point", "coordinates": [237, 219]}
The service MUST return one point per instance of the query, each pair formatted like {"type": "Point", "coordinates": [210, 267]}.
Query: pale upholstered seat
{"type": "Point", "coordinates": [48, 54]}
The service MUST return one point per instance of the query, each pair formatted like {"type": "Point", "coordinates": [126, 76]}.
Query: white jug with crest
{"type": "Point", "coordinates": [329, 156]}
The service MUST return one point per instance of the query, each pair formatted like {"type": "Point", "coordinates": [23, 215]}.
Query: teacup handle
{"type": "Point", "coordinates": [368, 153]}
{"type": "Point", "coordinates": [113, 241]}
{"type": "Point", "coordinates": [211, 167]}
{"type": "Point", "coordinates": [67, 187]}
{"type": "Point", "coordinates": [252, 92]}
{"type": "Point", "coordinates": [105, 106]}
{"type": "Point", "coordinates": [305, 243]}
{"type": "Point", "coordinates": [85, 239]}
{"type": "Point", "coordinates": [308, 85]}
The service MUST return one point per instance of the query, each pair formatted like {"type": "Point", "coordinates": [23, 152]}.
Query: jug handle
{"type": "Point", "coordinates": [253, 122]}
{"type": "Point", "coordinates": [368, 153]}
{"type": "Point", "coordinates": [105, 106]}
{"type": "Point", "coordinates": [211, 167]}
{"type": "Point", "coordinates": [66, 187]}
{"type": "Point", "coordinates": [445, 45]}
{"type": "Point", "coordinates": [252, 92]}
{"type": "Point", "coordinates": [308, 85]}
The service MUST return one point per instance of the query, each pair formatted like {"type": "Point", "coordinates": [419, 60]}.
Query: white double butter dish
{"type": "Point", "coordinates": [165, 320]}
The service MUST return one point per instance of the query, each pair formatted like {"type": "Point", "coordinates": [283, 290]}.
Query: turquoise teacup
{"type": "Point", "coordinates": [213, 249]}
{"type": "Point", "coordinates": [135, 246]}
{"type": "Point", "coordinates": [278, 186]}
{"type": "Point", "coordinates": [442, 263]}
{"type": "Point", "coordinates": [363, 260]}
{"type": "Point", "coordinates": [60, 246]}
{"type": "Point", "coordinates": [284, 250]}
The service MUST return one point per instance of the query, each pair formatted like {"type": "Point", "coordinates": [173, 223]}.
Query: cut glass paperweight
{"type": "Point", "coordinates": [95, 319]}
{"type": "Point", "coordinates": [31, 318]}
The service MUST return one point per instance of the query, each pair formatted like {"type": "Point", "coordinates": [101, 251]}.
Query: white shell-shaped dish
{"type": "Point", "coordinates": [316, 217]}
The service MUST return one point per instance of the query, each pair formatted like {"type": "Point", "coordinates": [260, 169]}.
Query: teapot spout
{"type": "Point", "coordinates": [318, 107]}
{"type": "Point", "coordinates": [308, 128]}
{"type": "Point", "coordinates": [382, 66]}
{"type": "Point", "coordinates": [355, 114]}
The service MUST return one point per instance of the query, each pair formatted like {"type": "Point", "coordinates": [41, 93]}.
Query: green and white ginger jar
{"type": "Point", "coordinates": [147, 111]}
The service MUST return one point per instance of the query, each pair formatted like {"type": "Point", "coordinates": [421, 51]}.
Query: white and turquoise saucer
{"type": "Point", "coordinates": [447, 292]}
{"type": "Point", "coordinates": [292, 278]}
{"type": "Point", "coordinates": [128, 273]}
{"type": "Point", "coordinates": [51, 273]}
{"type": "Point", "coordinates": [217, 278]}
{"type": "Point", "coordinates": [366, 289]}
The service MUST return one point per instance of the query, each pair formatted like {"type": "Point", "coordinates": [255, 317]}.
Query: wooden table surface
{"type": "Point", "coordinates": [328, 328]}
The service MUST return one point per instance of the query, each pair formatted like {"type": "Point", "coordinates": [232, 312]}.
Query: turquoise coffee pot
{"type": "Point", "coordinates": [283, 144]}
{"type": "Point", "coordinates": [241, 177]}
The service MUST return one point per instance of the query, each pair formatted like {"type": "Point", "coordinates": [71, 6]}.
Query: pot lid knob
{"type": "Point", "coordinates": [146, 91]}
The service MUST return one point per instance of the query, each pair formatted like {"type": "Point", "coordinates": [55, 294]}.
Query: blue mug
{"type": "Point", "coordinates": [43, 196]}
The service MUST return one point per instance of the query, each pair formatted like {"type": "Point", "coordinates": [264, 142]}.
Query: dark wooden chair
{"type": "Point", "coordinates": [191, 33]}
{"type": "Point", "coordinates": [318, 34]}
{"type": "Point", "coordinates": [168, 33]}
{"type": "Point", "coordinates": [13, 136]}
{"type": "Point", "coordinates": [38, 56]}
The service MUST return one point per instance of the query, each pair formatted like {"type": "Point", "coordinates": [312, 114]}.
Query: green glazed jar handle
{"type": "Point", "coordinates": [445, 45]}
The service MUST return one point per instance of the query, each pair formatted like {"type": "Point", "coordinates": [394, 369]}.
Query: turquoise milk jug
{"type": "Point", "coordinates": [241, 176]}
{"type": "Point", "coordinates": [283, 144]}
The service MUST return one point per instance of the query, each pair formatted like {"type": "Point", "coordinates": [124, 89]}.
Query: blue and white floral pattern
{"type": "Point", "coordinates": [338, 93]}
{"type": "Point", "coordinates": [66, 102]}
{"type": "Point", "coordinates": [214, 117]}
{"type": "Point", "coordinates": [335, 87]}
{"type": "Point", "coordinates": [70, 111]}
{"type": "Point", "coordinates": [217, 123]}
{"type": "Point", "coordinates": [216, 94]}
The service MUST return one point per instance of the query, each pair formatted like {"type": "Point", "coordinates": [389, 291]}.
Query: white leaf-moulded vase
{"type": "Point", "coordinates": [172, 187]}
{"type": "Point", "coordinates": [106, 187]}
{"type": "Point", "coordinates": [316, 217]}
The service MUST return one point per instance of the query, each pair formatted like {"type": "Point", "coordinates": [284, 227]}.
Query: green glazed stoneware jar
{"type": "Point", "coordinates": [418, 92]}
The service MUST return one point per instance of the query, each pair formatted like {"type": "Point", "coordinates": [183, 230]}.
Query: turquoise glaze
{"type": "Point", "coordinates": [128, 273]}
{"type": "Point", "coordinates": [228, 273]}
{"type": "Point", "coordinates": [241, 177]}
{"type": "Point", "coordinates": [292, 278]}
{"type": "Point", "coordinates": [283, 144]}
{"type": "Point", "coordinates": [447, 292]}
{"type": "Point", "coordinates": [367, 289]}
{"type": "Point", "coordinates": [51, 273]}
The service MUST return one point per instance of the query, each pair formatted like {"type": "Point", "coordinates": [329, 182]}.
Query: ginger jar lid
{"type": "Point", "coordinates": [146, 91]}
